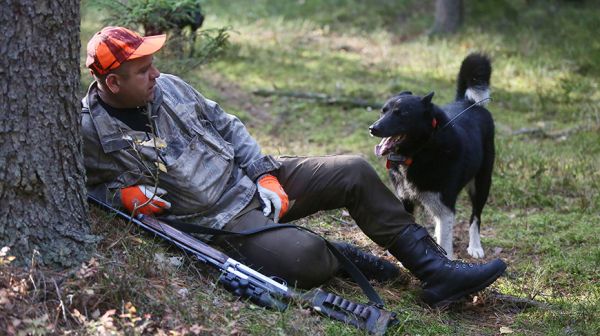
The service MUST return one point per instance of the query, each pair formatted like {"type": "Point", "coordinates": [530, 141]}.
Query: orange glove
{"type": "Point", "coordinates": [135, 196]}
{"type": "Point", "coordinates": [271, 192]}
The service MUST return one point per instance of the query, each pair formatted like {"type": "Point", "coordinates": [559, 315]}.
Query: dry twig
{"type": "Point", "coordinates": [518, 301]}
{"type": "Point", "coordinates": [321, 97]}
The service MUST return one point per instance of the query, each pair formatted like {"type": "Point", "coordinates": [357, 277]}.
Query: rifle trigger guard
{"type": "Point", "coordinates": [244, 289]}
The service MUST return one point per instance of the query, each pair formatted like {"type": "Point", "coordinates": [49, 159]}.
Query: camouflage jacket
{"type": "Point", "coordinates": [205, 158]}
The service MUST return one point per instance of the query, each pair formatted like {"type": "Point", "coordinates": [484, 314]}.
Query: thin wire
{"type": "Point", "coordinates": [390, 157]}
{"type": "Point", "coordinates": [463, 111]}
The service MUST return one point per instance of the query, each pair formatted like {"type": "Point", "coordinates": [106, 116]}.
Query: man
{"type": "Point", "coordinates": [153, 144]}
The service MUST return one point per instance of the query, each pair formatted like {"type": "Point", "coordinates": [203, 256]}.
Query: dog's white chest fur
{"type": "Point", "coordinates": [404, 188]}
{"type": "Point", "coordinates": [443, 217]}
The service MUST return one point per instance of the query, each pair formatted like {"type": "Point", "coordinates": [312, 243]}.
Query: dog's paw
{"type": "Point", "coordinates": [475, 252]}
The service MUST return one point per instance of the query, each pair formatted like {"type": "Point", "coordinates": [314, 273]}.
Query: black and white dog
{"type": "Point", "coordinates": [434, 152]}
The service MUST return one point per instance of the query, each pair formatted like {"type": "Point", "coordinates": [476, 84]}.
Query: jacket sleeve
{"type": "Point", "coordinates": [246, 149]}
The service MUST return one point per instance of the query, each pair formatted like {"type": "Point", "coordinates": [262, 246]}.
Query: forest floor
{"type": "Point", "coordinates": [542, 215]}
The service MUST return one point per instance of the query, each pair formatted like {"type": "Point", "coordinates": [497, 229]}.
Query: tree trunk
{"type": "Point", "coordinates": [448, 16]}
{"type": "Point", "coordinates": [43, 211]}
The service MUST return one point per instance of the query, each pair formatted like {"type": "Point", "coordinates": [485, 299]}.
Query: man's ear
{"type": "Point", "coordinates": [113, 82]}
{"type": "Point", "coordinates": [427, 99]}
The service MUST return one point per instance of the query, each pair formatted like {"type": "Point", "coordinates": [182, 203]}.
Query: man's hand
{"type": "Point", "coordinates": [271, 192]}
{"type": "Point", "coordinates": [142, 199]}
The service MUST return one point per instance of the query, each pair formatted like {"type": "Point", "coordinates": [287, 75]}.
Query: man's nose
{"type": "Point", "coordinates": [155, 72]}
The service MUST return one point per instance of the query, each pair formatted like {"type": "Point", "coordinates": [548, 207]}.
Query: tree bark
{"type": "Point", "coordinates": [448, 16]}
{"type": "Point", "coordinates": [43, 209]}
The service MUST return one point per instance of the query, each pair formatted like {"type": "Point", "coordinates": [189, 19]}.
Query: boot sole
{"type": "Point", "coordinates": [447, 301]}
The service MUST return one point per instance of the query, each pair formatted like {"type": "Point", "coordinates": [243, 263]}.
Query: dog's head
{"type": "Point", "coordinates": [405, 123]}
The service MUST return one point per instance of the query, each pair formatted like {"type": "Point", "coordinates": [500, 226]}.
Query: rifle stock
{"type": "Point", "coordinates": [262, 290]}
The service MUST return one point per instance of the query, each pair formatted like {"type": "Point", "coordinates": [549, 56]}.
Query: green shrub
{"type": "Point", "coordinates": [180, 20]}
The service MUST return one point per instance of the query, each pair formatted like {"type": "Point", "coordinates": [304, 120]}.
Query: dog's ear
{"type": "Point", "coordinates": [403, 93]}
{"type": "Point", "coordinates": [427, 99]}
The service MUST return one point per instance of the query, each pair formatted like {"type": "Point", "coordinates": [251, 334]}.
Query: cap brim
{"type": "Point", "coordinates": [150, 45]}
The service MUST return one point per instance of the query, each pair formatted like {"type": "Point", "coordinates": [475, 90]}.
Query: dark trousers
{"type": "Point", "coordinates": [314, 184]}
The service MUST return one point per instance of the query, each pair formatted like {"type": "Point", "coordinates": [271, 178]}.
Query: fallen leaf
{"type": "Point", "coordinates": [506, 330]}
{"type": "Point", "coordinates": [78, 316]}
{"type": "Point", "coordinates": [197, 329]}
{"type": "Point", "coordinates": [4, 296]}
{"type": "Point", "coordinates": [109, 312]}
{"type": "Point", "coordinates": [4, 251]}
{"type": "Point", "coordinates": [130, 307]}
{"type": "Point", "coordinates": [183, 292]}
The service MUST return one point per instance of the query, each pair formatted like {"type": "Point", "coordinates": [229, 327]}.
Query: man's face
{"type": "Point", "coordinates": [137, 79]}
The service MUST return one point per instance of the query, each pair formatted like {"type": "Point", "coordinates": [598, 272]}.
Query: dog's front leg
{"type": "Point", "coordinates": [443, 218]}
{"type": "Point", "coordinates": [444, 231]}
{"type": "Point", "coordinates": [475, 249]}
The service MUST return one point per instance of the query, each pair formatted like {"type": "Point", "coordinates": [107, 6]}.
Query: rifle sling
{"type": "Point", "coordinates": [347, 265]}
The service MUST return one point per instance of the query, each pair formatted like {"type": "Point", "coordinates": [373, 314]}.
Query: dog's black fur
{"type": "Point", "coordinates": [432, 157]}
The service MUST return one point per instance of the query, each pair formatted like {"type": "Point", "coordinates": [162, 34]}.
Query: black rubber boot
{"type": "Point", "coordinates": [373, 267]}
{"type": "Point", "coordinates": [444, 281]}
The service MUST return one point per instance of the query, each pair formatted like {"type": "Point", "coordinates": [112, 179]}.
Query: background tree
{"type": "Point", "coordinates": [448, 16]}
{"type": "Point", "coordinates": [42, 189]}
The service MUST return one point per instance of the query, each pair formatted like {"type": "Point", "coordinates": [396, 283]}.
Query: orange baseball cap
{"type": "Point", "coordinates": [112, 46]}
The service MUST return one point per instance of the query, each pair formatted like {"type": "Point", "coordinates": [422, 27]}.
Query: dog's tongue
{"type": "Point", "coordinates": [384, 146]}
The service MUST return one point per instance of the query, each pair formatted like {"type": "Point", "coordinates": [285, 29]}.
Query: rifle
{"type": "Point", "coordinates": [260, 289]}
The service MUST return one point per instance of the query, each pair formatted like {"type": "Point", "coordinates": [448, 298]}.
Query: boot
{"type": "Point", "coordinates": [373, 267]}
{"type": "Point", "coordinates": [444, 281]}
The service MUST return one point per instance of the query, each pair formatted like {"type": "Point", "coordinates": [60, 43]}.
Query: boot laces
{"type": "Point", "coordinates": [456, 264]}
{"type": "Point", "coordinates": [361, 258]}
{"type": "Point", "coordinates": [438, 248]}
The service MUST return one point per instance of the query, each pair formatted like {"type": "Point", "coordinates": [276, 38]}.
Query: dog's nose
{"type": "Point", "coordinates": [372, 129]}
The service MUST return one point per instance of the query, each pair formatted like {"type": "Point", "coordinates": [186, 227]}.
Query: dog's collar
{"type": "Point", "coordinates": [397, 159]}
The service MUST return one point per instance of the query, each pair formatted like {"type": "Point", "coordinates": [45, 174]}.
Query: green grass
{"type": "Point", "coordinates": [542, 216]}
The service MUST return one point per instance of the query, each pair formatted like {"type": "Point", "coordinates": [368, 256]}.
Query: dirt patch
{"type": "Point", "coordinates": [231, 93]}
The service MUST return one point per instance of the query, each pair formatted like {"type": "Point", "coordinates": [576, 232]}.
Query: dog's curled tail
{"type": "Point", "coordinates": [473, 82]}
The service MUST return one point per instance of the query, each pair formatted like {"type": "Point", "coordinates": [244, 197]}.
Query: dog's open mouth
{"type": "Point", "coordinates": [387, 144]}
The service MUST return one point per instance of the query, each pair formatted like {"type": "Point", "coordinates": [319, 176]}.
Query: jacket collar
{"type": "Point", "coordinates": [109, 129]}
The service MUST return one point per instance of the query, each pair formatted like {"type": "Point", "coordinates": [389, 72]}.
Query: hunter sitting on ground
{"type": "Point", "coordinates": [142, 127]}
